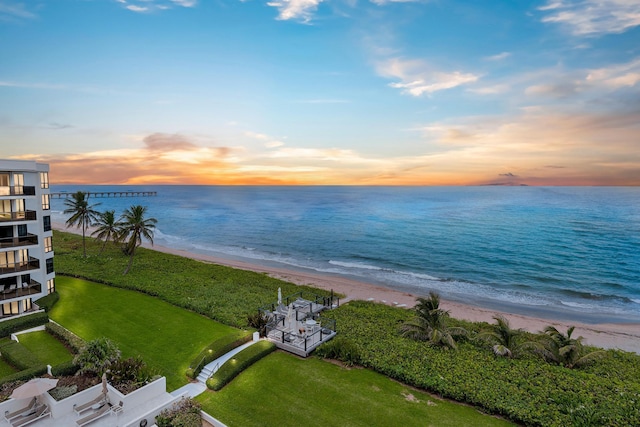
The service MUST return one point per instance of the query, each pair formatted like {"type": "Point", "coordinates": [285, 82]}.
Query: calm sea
{"type": "Point", "coordinates": [559, 252]}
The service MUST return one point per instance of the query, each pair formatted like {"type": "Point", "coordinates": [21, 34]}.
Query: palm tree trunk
{"type": "Point", "coordinates": [130, 262]}
{"type": "Point", "coordinates": [84, 244]}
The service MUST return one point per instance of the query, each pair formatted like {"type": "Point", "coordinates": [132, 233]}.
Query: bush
{"type": "Point", "coordinates": [11, 326]}
{"type": "Point", "coordinates": [239, 363]}
{"type": "Point", "coordinates": [258, 321]}
{"type": "Point", "coordinates": [340, 348]}
{"type": "Point", "coordinates": [97, 356]}
{"type": "Point", "coordinates": [71, 340]}
{"type": "Point", "coordinates": [129, 374]}
{"type": "Point", "coordinates": [47, 302]}
{"type": "Point", "coordinates": [25, 375]}
{"type": "Point", "coordinates": [184, 413]}
{"type": "Point", "coordinates": [65, 368]}
{"type": "Point", "coordinates": [216, 349]}
{"type": "Point", "coordinates": [19, 356]}
{"type": "Point", "coordinates": [64, 391]}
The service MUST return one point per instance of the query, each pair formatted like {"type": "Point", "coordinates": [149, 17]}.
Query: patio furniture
{"type": "Point", "coordinates": [42, 411]}
{"type": "Point", "coordinates": [106, 409]}
{"type": "Point", "coordinates": [117, 409]}
{"type": "Point", "coordinates": [31, 407]}
{"type": "Point", "coordinates": [100, 400]}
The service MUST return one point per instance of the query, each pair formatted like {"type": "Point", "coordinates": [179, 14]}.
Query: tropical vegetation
{"type": "Point", "coordinates": [82, 214]}
{"type": "Point", "coordinates": [134, 226]}
{"type": "Point", "coordinates": [106, 227]}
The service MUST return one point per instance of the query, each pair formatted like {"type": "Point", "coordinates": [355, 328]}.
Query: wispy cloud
{"type": "Point", "coordinates": [10, 10]}
{"type": "Point", "coordinates": [418, 78]}
{"type": "Point", "coordinates": [144, 6]}
{"type": "Point", "coordinates": [593, 17]}
{"type": "Point", "coordinates": [498, 57]}
{"type": "Point", "coordinates": [299, 10]}
{"type": "Point", "coordinates": [269, 141]}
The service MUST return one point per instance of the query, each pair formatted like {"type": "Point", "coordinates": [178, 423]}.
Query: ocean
{"type": "Point", "coordinates": [566, 253]}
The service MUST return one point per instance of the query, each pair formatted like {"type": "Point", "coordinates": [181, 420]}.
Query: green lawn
{"type": "Point", "coordinates": [5, 369]}
{"type": "Point", "coordinates": [167, 337]}
{"type": "Point", "coordinates": [285, 390]}
{"type": "Point", "coordinates": [48, 349]}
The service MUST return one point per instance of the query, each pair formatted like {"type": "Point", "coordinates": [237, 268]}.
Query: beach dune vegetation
{"type": "Point", "coordinates": [507, 342]}
{"type": "Point", "coordinates": [564, 350]}
{"type": "Point", "coordinates": [107, 226]}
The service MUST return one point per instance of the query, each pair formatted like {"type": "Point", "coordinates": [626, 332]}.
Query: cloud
{"type": "Point", "coordinates": [58, 126]}
{"type": "Point", "coordinates": [143, 6]}
{"type": "Point", "coordinates": [269, 141]}
{"type": "Point", "coordinates": [498, 57]}
{"type": "Point", "coordinates": [167, 142]}
{"type": "Point", "coordinates": [508, 174]}
{"type": "Point", "coordinates": [593, 17]}
{"type": "Point", "coordinates": [10, 10]}
{"type": "Point", "coordinates": [417, 78]}
{"type": "Point", "coordinates": [300, 10]}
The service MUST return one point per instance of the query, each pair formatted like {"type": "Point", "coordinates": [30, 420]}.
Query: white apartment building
{"type": "Point", "coordinates": [26, 249]}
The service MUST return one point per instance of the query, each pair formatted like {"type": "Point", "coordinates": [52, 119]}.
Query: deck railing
{"type": "Point", "coordinates": [12, 242]}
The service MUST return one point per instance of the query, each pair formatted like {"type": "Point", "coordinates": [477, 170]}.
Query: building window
{"type": "Point", "coordinates": [48, 244]}
{"type": "Point", "coordinates": [44, 179]}
{"type": "Point", "coordinates": [18, 183]}
{"type": "Point", "coordinates": [49, 265]}
{"type": "Point", "coordinates": [46, 221]}
{"type": "Point", "coordinates": [10, 308]}
{"type": "Point", "coordinates": [26, 305]}
{"type": "Point", "coordinates": [46, 204]}
{"type": "Point", "coordinates": [51, 285]}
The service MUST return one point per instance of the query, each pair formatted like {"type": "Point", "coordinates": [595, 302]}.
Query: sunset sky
{"type": "Point", "coordinates": [384, 92]}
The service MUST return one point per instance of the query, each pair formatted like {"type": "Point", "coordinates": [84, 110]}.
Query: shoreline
{"type": "Point", "coordinates": [623, 336]}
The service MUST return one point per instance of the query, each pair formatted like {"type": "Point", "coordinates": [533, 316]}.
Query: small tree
{"type": "Point", "coordinates": [97, 356]}
{"type": "Point", "coordinates": [429, 323]}
{"type": "Point", "coordinates": [507, 342]}
{"type": "Point", "coordinates": [82, 214]}
{"type": "Point", "coordinates": [567, 351]}
{"type": "Point", "coordinates": [107, 227]}
{"type": "Point", "coordinates": [133, 227]}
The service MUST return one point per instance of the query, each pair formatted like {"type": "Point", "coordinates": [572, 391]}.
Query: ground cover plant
{"type": "Point", "coordinates": [222, 293]}
{"type": "Point", "coordinates": [527, 390]}
{"type": "Point", "coordinates": [285, 390]}
{"type": "Point", "coordinates": [47, 348]}
{"type": "Point", "coordinates": [166, 337]}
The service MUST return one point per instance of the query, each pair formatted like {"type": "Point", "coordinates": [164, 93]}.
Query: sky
{"type": "Point", "coordinates": [344, 92]}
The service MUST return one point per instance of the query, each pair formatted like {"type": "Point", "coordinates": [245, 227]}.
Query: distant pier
{"type": "Point", "coordinates": [105, 194]}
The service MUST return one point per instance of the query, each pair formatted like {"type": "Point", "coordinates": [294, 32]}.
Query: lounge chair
{"type": "Point", "coordinates": [42, 411]}
{"type": "Point", "coordinates": [105, 410]}
{"type": "Point", "coordinates": [101, 399]}
{"type": "Point", "coordinates": [31, 407]}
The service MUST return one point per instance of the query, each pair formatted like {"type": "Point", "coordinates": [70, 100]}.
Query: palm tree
{"type": "Point", "coordinates": [429, 323]}
{"type": "Point", "coordinates": [507, 342]}
{"type": "Point", "coordinates": [133, 227]}
{"type": "Point", "coordinates": [566, 351]}
{"type": "Point", "coordinates": [82, 214]}
{"type": "Point", "coordinates": [106, 227]}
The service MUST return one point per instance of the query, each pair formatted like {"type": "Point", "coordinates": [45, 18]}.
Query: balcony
{"type": "Point", "coordinates": [18, 216]}
{"type": "Point", "coordinates": [18, 190]}
{"type": "Point", "coordinates": [26, 289]}
{"type": "Point", "coordinates": [17, 267]}
{"type": "Point", "coordinates": [14, 242]}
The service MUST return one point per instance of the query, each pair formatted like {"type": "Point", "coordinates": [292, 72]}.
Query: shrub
{"type": "Point", "coordinates": [216, 349]}
{"type": "Point", "coordinates": [19, 356]}
{"type": "Point", "coordinates": [184, 413]}
{"type": "Point", "coordinates": [129, 374]}
{"type": "Point", "coordinates": [62, 392]}
{"type": "Point", "coordinates": [47, 302]}
{"type": "Point", "coordinates": [340, 348]}
{"type": "Point", "coordinates": [239, 363]}
{"type": "Point", "coordinates": [64, 369]}
{"type": "Point", "coordinates": [10, 326]}
{"type": "Point", "coordinates": [97, 356]}
{"type": "Point", "coordinates": [71, 340]}
{"type": "Point", "coordinates": [24, 375]}
{"type": "Point", "coordinates": [258, 321]}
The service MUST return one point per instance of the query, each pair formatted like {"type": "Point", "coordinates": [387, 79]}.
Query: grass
{"type": "Point", "coordinates": [285, 390]}
{"type": "Point", "coordinates": [166, 337]}
{"type": "Point", "coordinates": [48, 349]}
{"type": "Point", "coordinates": [6, 369]}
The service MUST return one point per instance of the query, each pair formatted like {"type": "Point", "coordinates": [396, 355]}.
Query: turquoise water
{"type": "Point", "coordinates": [559, 252]}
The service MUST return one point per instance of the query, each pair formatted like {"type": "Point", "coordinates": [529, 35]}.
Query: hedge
{"type": "Point", "coordinates": [47, 302]}
{"type": "Point", "coordinates": [19, 356]}
{"type": "Point", "coordinates": [239, 363]}
{"type": "Point", "coordinates": [18, 324]}
{"type": "Point", "coordinates": [74, 342]}
{"type": "Point", "coordinates": [24, 375]}
{"type": "Point", "coordinates": [215, 350]}
{"type": "Point", "coordinates": [64, 369]}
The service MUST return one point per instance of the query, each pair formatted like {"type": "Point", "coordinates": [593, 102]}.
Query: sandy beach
{"type": "Point", "coordinates": [624, 336]}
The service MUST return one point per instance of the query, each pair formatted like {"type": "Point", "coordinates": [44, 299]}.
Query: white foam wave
{"type": "Point", "coordinates": [355, 265]}
{"type": "Point", "coordinates": [636, 300]}
{"type": "Point", "coordinates": [576, 304]}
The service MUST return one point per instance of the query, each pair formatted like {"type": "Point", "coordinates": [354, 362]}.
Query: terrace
{"type": "Point", "coordinates": [296, 325]}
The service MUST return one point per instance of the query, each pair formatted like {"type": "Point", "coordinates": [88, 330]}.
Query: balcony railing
{"type": "Point", "coordinates": [18, 216]}
{"type": "Point", "coordinates": [18, 190]}
{"type": "Point", "coordinates": [14, 242]}
{"type": "Point", "coordinates": [20, 291]}
{"type": "Point", "coordinates": [16, 267]}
